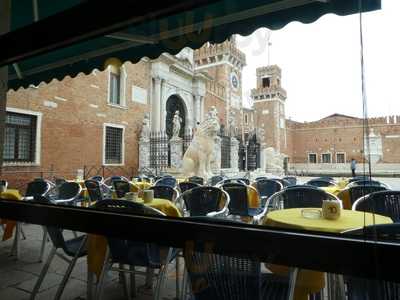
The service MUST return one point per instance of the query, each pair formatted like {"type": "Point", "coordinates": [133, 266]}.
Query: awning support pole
{"type": "Point", "coordinates": [5, 12]}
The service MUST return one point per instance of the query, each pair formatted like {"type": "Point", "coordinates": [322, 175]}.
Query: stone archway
{"type": "Point", "coordinates": [174, 103]}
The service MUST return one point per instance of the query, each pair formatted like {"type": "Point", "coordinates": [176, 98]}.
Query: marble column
{"type": "Point", "coordinates": [176, 146]}
{"type": "Point", "coordinates": [197, 109]}
{"type": "Point", "coordinates": [156, 116]}
{"type": "Point", "coordinates": [234, 154]}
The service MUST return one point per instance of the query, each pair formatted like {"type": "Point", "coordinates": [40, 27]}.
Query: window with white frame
{"type": "Point", "coordinates": [116, 85]}
{"type": "Point", "coordinates": [312, 158]}
{"type": "Point", "coordinates": [340, 158]}
{"type": "Point", "coordinates": [326, 158]}
{"type": "Point", "coordinates": [21, 136]}
{"type": "Point", "coordinates": [113, 144]}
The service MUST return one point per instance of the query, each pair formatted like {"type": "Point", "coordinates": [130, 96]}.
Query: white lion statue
{"type": "Point", "coordinates": [197, 158]}
{"type": "Point", "coordinates": [273, 160]}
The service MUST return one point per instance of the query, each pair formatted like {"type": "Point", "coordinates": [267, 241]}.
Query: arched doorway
{"type": "Point", "coordinates": [173, 104]}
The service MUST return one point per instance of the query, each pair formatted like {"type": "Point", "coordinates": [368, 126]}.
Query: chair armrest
{"type": "Point", "coordinates": [221, 213]}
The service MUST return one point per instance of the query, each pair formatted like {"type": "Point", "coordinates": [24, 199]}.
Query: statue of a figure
{"type": "Point", "coordinates": [176, 125]}
{"type": "Point", "coordinates": [145, 134]}
{"type": "Point", "coordinates": [213, 113]}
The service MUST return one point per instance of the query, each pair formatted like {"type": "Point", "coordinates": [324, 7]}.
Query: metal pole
{"type": "Point", "coordinates": [5, 16]}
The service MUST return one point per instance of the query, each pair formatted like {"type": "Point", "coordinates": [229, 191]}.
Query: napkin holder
{"type": "Point", "coordinates": [331, 209]}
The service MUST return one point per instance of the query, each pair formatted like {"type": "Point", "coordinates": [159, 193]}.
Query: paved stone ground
{"type": "Point", "coordinates": [18, 277]}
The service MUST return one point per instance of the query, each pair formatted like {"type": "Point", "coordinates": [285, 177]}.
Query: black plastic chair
{"type": "Point", "coordinates": [4, 184]}
{"type": "Point", "coordinates": [234, 180]}
{"type": "Point", "coordinates": [185, 186]}
{"type": "Point", "coordinates": [291, 179]}
{"type": "Point", "coordinates": [73, 249]}
{"type": "Point", "coordinates": [266, 188]}
{"type": "Point", "coordinates": [94, 190]}
{"type": "Point", "coordinates": [386, 203]}
{"type": "Point", "coordinates": [320, 182]}
{"type": "Point", "coordinates": [67, 193]}
{"type": "Point", "coordinates": [37, 188]}
{"type": "Point", "coordinates": [239, 202]}
{"type": "Point", "coordinates": [204, 201]}
{"type": "Point", "coordinates": [215, 276]}
{"type": "Point", "coordinates": [121, 187]}
{"type": "Point", "coordinates": [170, 181]}
{"type": "Point", "coordinates": [196, 179]}
{"type": "Point", "coordinates": [298, 197]}
{"type": "Point", "coordinates": [367, 182]}
{"type": "Point", "coordinates": [356, 178]}
{"type": "Point", "coordinates": [98, 178]}
{"type": "Point", "coordinates": [165, 192]}
{"type": "Point", "coordinates": [284, 182]}
{"type": "Point", "coordinates": [109, 180]}
{"type": "Point", "coordinates": [216, 179]}
{"type": "Point", "coordinates": [357, 192]}
{"type": "Point", "coordinates": [134, 253]}
{"type": "Point", "coordinates": [261, 178]}
{"type": "Point", "coordinates": [371, 289]}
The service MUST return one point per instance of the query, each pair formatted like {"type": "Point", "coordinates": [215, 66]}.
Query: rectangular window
{"type": "Point", "coordinates": [20, 138]}
{"type": "Point", "coordinates": [113, 145]}
{"type": "Point", "coordinates": [340, 158]}
{"type": "Point", "coordinates": [115, 89]}
{"type": "Point", "coordinates": [326, 158]}
{"type": "Point", "coordinates": [266, 82]}
{"type": "Point", "coordinates": [312, 158]}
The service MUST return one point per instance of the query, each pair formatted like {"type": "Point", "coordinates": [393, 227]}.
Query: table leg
{"type": "Point", "coordinates": [16, 244]}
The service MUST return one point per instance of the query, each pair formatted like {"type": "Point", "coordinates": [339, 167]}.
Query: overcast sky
{"type": "Point", "coordinates": [321, 63]}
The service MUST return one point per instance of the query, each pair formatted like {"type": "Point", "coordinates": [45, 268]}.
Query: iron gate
{"type": "Point", "coordinates": [158, 151]}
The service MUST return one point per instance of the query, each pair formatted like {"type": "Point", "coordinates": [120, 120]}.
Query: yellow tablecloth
{"type": "Point", "coordinates": [142, 185]}
{"type": "Point", "coordinates": [309, 281]}
{"type": "Point", "coordinates": [9, 225]}
{"type": "Point", "coordinates": [97, 244]}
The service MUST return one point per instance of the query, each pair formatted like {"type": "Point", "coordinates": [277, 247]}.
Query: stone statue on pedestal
{"type": "Point", "coordinates": [232, 123]}
{"type": "Point", "coordinates": [198, 156]}
{"type": "Point", "coordinates": [176, 126]}
{"type": "Point", "coordinates": [145, 134]}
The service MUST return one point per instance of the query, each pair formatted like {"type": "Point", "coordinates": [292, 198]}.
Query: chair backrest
{"type": "Point", "coordinates": [126, 251]}
{"type": "Point", "coordinates": [356, 192]}
{"type": "Point", "coordinates": [215, 276]}
{"type": "Point", "coordinates": [300, 196]}
{"type": "Point", "coordinates": [196, 179]}
{"type": "Point", "coordinates": [267, 187]}
{"type": "Point", "coordinates": [356, 178]}
{"type": "Point", "coordinates": [94, 190]}
{"type": "Point", "coordinates": [164, 192]}
{"type": "Point", "coordinates": [238, 204]}
{"type": "Point", "coordinates": [291, 179]}
{"type": "Point", "coordinates": [386, 203]}
{"type": "Point", "coordinates": [365, 182]}
{"type": "Point", "coordinates": [185, 186]}
{"type": "Point", "coordinates": [121, 187]}
{"type": "Point", "coordinates": [202, 200]}
{"type": "Point", "coordinates": [284, 182]}
{"type": "Point", "coordinates": [216, 179]}
{"type": "Point", "coordinates": [320, 182]}
{"type": "Point", "coordinates": [98, 178]}
{"type": "Point", "coordinates": [68, 190]}
{"type": "Point", "coordinates": [59, 181]}
{"type": "Point", "coordinates": [370, 289]}
{"type": "Point", "coordinates": [261, 178]}
{"type": "Point", "coordinates": [234, 180]}
{"type": "Point", "coordinates": [37, 188]}
{"type": "Point", "coordinates": [170, 181]}
{"type": "Point", "coordinates": [4, 183]}
{"type": "Point", "coordinates": [109, 180]}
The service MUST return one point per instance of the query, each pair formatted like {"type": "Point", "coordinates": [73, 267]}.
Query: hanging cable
{"type": "Point", "coordinates": [366, 144]}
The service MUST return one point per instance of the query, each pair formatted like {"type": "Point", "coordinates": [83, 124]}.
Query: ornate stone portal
{"type": "Point", "coordinates": [144, 144]}
{"type": "Point", "coordinates": [198, 157]}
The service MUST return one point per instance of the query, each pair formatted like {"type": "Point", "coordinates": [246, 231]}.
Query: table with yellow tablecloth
{"type": "Point", "coordinates": [97, 244]}
{"type": "Point", "coordinates": [309, 281]}
{"type": "Point", "coordinates": [9, 225]}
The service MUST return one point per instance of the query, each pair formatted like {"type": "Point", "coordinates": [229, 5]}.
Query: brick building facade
{"type": "Point", "coordinates": [94, 121]}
